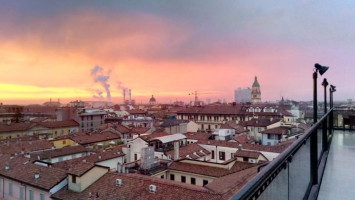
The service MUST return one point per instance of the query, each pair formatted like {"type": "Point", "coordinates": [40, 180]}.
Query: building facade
{"type": "Point", "coordinates": [242, 95]}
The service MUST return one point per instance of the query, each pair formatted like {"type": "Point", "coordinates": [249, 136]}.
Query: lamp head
{"type": "Point", "coordinates": [320, 68]}
{"type": "Point", "coordinates": [332, 87]}
{"type": "Point", "coordinates": [325, 82]}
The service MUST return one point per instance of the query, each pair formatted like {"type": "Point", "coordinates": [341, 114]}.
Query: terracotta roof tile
{"type": "Point", "coordinates": [135, 186]}
{"type": "Point", "coordinates": [197, 135]}
{"type": "Point", "coordinates": [68, 150]}
{"type": "Point", "coordinates": [25, 146]}
{"type": "Point", "coordinates": [248, 154]}
{"type": "Point", "coordinates": [22, 170]}
{"type": "Point", "coordinates": [277, 130]}
{"type": "Point", "coordinates": [189, 150]}
{"type": "Point", "coordinates": [59, 124]}
{"type": "Point", "coordinates": [209, 171]}
{"type": "Point", "coordinates": [94, 137]}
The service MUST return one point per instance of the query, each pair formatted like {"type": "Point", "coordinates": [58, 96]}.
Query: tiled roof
{"type": "Point", "coordinates": [81, 162]}
{"type": "Point", "coordinates": [136, 111]}
{"type": "Point", "coordinates": [260, 122]}
{"type": "Point", "coordinates": [136, 186]}
{"type": "Point", "coordinates": [208, 170]}
{"type": "Point", "coordinates": [248, 154]}
{"type": "Point", "coordinates": [123, 129]}
{"type": "Point", "coordinates": [214, 109]}
{"type": "Point", "coordinates": [94, 138]}
{"type": "Point", "coordinates": [25, 126]}
{"type": "Point", "coordinates": [275, 149]}
{"type": "Point", "coordinates": [277, 130]}
{"type": "Point", "coordinates": [22, 126]}
{"type": "Point", "coordinates": [139, 130]}
{"type": "Point", "coordinates": [59, 124]}
{"type": "Point", "coordinates": [197, 135]}
{"type": "Point", "coordinates": [244, 139]}
{"type": "Point", "coordinates": [22, 170]}
{"type": "Point", "coordinates": [68, 150]}
{"type": "Point", "coordinates": [232, 125]}
{"type": "Point", "coordinates": [189, 150]}
{"type": "Point", "coordinates": [25, 146]}
{"type": "Point", "coordinates": [230, 184]}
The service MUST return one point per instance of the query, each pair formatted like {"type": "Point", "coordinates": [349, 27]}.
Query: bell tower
{"type": "Point", "coordinates": [255, 92]}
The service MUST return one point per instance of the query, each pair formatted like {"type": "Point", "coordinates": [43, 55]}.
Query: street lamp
{"type": "Point", "coordinates": [331, 91]}
{"type": "Point", "coordinates": [321, 69]}
{"type": "Point", "coordinates": [331, 105]}
{"type": "Point", "coordinates": [325, 84]}
{"type": "Point", "coordinates": [325, 137]}
{"type": "Point", "coordinates": [314, 138]}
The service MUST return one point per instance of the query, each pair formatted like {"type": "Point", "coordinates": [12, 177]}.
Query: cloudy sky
{"type": "Point", "coordinates": [50, 49]}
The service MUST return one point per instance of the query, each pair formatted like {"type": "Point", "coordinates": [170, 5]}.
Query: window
{"type": "Point", "coordinates": [31, 195]}
{"type": "Point", "coordinates": [212, 157]}
{"type": "Point", "coordinates": [205, 182]}
{"type": "Point", "coordinates": [92, 123]}
{"type": "Point", "coordinates": [41, 196]}
{"type": "Point", "coordinates": [82, 118]}
{"type": "Point", "coordinates": [172, 177]}
{"type": "Point", "coordinates": [22, 193]}
{"type": "Point", "coordinates": [245, 159]}
{"type": "Point", "coordinates": [10, 189]}
{"type": "Point", "coordinates": [193, 181]}
{"type": "Point", "coordinates": [162, 176]}
{"type": "Point", "coordinates": [183, 179]}
{"type": "Point", "coordinates": [92, 117]}
{"type": "Point", "coordinates": [82, 124]}
{"type": "Point", "coordinates": [222, 155]}
{"type": "Point", "coordinates": [73, 179]}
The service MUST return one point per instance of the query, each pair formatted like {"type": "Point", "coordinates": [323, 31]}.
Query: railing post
{"type": "Point", "coordinates": [313, 138]}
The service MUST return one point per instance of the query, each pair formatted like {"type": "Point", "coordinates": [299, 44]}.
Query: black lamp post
{"type": "Point", "coordinates": [325, 136]}
{"type": "Point", "coordinates": [331, 105]}
{"type": "Point", "coordinates": [331, 91]}
{"type": "Point", "coordinates": [314, 140]}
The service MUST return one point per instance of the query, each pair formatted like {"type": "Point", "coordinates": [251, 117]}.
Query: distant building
{"type": "Point", "coordinates": [255, 92]}
{"type": "Point", "coordinates": [242, 95]}
{"type": "Point", "coordinates": [152, 100]}
{"type": "Point", "coordinates": [89, 119]}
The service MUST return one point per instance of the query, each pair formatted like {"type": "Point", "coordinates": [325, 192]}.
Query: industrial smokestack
{"type": "Point", "coordinates": [130, 96]}
{"type": "Point", "coordinates": [124, 95]}
{"type": "Point", "coordinates": [176, 150]}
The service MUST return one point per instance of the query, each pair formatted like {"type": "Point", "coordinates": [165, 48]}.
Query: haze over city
{"type": "Point", "coordinates": [170, 49]}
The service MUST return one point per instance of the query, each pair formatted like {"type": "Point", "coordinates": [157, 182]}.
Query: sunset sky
{"type": "Point", "coordinates": [48, 49]}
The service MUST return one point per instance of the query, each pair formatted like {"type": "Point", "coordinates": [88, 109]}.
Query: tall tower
{"type": "Point", "coordinates": [255, 92]}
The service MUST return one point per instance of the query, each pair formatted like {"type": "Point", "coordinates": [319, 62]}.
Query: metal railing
{"type": "Point", "coordinates": [297, 172]}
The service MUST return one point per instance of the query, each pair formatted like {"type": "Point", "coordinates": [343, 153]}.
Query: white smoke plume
{"type": "Point", "coordinates": [99, 77]}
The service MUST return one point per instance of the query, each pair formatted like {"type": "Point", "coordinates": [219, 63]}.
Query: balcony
{"type": "Point", "coordinates": [318, 165]}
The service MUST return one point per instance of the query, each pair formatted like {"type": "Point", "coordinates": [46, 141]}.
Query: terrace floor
{"type": "Point", "coordinates": [339, 176]}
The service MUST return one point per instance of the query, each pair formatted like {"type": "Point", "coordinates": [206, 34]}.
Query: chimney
{"type": "Point", "coordinates": [176, 150]}
{"type": "Point", "coordinates": [240, 147]}
{"type": "Point", "coordinates": [130, 96]}
{"type": "Point", "coordinates": [36, 175]}
{"type": "Point", "coordinates": [124, 95]}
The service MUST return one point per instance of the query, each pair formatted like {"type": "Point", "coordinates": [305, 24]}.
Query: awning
{"type": "Point", "coordinates": [171, 138]}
